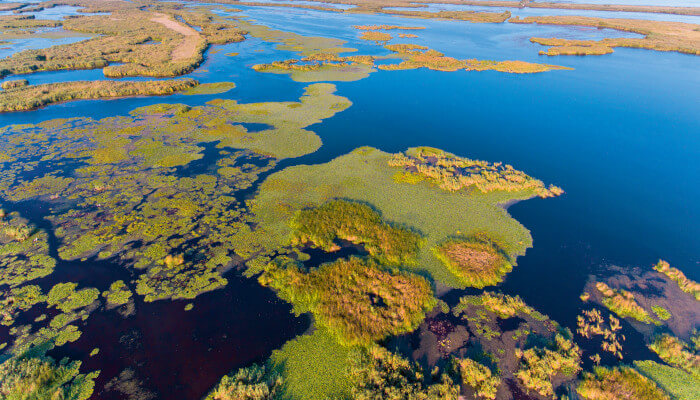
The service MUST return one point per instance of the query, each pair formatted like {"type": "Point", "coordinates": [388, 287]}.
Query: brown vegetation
{"type": "Point", "coordinates": [658, 35]}
{"type": "Point", "coordinates": [375, 36]}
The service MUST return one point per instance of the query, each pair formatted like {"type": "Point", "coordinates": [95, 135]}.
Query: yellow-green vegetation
{"type": "Point", "coordinates": [322, 67]}
{"type": "Point", "coordinates": [354, 299]}
{"type": "Point", "coordinates": [30, 97]}
{"type": "Point", "coordinates": [476, 261]}
{"type": "Point", "coordinates": [620, 383]}
{"type": "Point", "coordinates": [661, 313]}
{"type": "Point", "coordinates": [674, 274]}
{"type": "Point", "coordinates": [211, 88]}
{"type": "Point", "coordinates": [64, 296]}
{"type": "Point", "coordinates": [16, 300]}
{"type": "Point", "coordinates": [591, 323]}
{"type": "Point", "coordinates": [128, 187]}
{"type": "Point", "coordinates": [539, 365]}
{"type": "Point", "coordinates": [41, 378]}
{"type": "Point", "coordinates": [23, 251]}
{"type": "Point", "coordinates": [146, 43]}
{"type": "Point", "coordinates": [14, 83]}
{"type": "Point", "coordinates": [378, 374]}
{"type": "Point", "coordinates": [358, 223]}
{"type": "Point", "coordinates": [677, 353]}
{"type": "Point", "coordinates": [386, 27]}
{"type": "Point", "coordinates": [118, 294]}
{"type": "Point", "coordinates": [470, 16]}
{"type": "Point", "coordinates": [454, 173]}
{"type": "Point", "coordinates": [314, 367]}
{"type": "Point", "coordinates": [375, 36]}
{"type": "Point", "coordinates": [252, 383]}
{"type": "Point", "coordinates": [501, 305]}
{"type": "Point", "coordinates": [658, 35]}
{"type": "Point", "coordinates": [479, 378]}
{"type": "Point", "coordinates": [679, 384]}
{"type": "Point", "coordinates": [622, 303]}
{"type": "Point", "coordinates": [365, 176]}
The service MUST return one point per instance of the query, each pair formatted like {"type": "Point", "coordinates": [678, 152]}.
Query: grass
{"type": "Point", "coordinates": [622, 303]}
{"type": "Point", "coordinates": [591, 323]}
{"type": "Point", "coordinates": [540, 365]}
{"type": "Point", "coordinates": [313, 367]}
{"type": "Point", "coordinates": [358, 223]}
{"type": "Point", "coordinates": [353, 299]}
{"type": "Point", "coordinates": [674, 274]}
{"type": "Point", "coordinates": [24, 251]}
{"type": "Point", "coordinates": [386, 27]}
{"type": "Point", "coordinates": [617, 384]}
{"type": "Point", "coordinates": [476, 261]}
{"type": "Point", "coordinates": [30, 97]}
{"type": "Point", "coordinates": [677, 353]}
{"type": "Point", "coordinates": [365, 175]}
{"type": "Point", "coordinates": [42, 378]}
{"type": "Point", "coordinates": [251, 383]}
{"type": "Point", "coordinates": [658, 35]}
{"type": "Point", "coordinates": [67, 299]}
{"type": "Point", "coordinates": [210, 88]}
{"type": "Point", "coordinates": [469, 16]}
{"type": "Point", "coordinates": [679, 384]}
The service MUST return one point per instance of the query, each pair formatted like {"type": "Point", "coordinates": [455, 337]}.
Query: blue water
{"type": "Point", "coordinates": [620, 133]}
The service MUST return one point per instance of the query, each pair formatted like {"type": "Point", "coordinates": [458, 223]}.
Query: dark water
{"type": "Point", "coordinates": [620, 134]}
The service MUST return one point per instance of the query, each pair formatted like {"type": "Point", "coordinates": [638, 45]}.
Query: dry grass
{"type": "Point", "coordinates": [376, 36]}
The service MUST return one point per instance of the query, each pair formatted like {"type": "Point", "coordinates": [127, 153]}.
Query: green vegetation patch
{"type": "Point", "coordinates": [64, 296]}
{"type": "Point", "coordinates": [618, 384]}
{"type": "Point", "coordinates": [476, 261]}
{"type": "Point", "coordinates": [253, 383]}
{"type": "Point", "coordinates": [41, 378]}
{"type": "Point", "coordinates": [479, 378]}
{"type": "Point", "coordinates": [365, 176]}
{"type": "Point", "coordinates": [676, 382]}
{"type": "Point", "coordinates": [674, 274]}
{"type": "Point", "coordinates": [357, 223]}
{"type": "Point", "coordinates": [210, 88]}
{"type": "Point", "coordinates": [622, 303]}
{"type": "Point", "coordinates": [118, 294]}
{"type": "Point", "coordinates": [23, 251]}
{"type": "Point", "coordinates": [354, 299]}
{"type": "Point", "coordinates": [677, 353]}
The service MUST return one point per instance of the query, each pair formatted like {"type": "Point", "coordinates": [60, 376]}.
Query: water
{"type": "Point", "coordinates": [620, 133]}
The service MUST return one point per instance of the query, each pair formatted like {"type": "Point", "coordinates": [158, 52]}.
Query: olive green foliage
{"type": "Point", "coordinates": [23, 251]}
{"type": "Point", "coordinates": [357, 223]}
{"type": "Point", "coordinates": [118, 293]}
{"type": "Point", "coordinates": [365, 176]}
{"type": "Point", "coordinates": [67, 299]}
{"type": "Point", "coordinates": [251, 383]}
{"type": "Point", "coordinates": [23, 98]}
{"type": "Point", "coordinates": [679, 384]}
{"type": "Point", "coordinates": [313, 367]}
{"type": "Point", "coordinates": [126, 199]}
{"type": "Point", "coordinates": [539, 365]}
{"type": "Point", "coordinates": [147, 43]}
{"type": "Point", "coordinates": [502, 305]}
{"type": "Point", "coordinates": [355, 299]}
{"type": "Point", "coordinates": [677, 353]}
{"type": "Point", "coordinates": [41, 378]}
{"type": "Point", "coordinates": [686, 285]}
{"type": "Point", "coordinates": [16, 300]}
{"type": "Point", "coordinates": [622, 303]}
{"type": "Point", "coordinates": [210, 88]}
{"type": "Point", "coordinates": [621, 383]}
{"type": "Point", "coordinates": [14, 83]}
{"type": "Point", "coordinates": [453, 173]}
{"type": "Point", "coordinates": [476, 261]}
{"type": "Point", "coordinates": [479, 378]}
{"type": "Point", "coordinates": [378, 374]}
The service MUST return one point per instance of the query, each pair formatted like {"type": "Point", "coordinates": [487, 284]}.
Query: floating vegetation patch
{"type": "Point", "coordinates": [386, 27]}
{"type": "Point", "coordinates": [122, 186]}
{"type": "Point", "coordinates": [674, 274]}
{"type": "Point", "coordinates": [479, 378]}
{"type": "Point", "coordinates": [118, 294]}
{"type": "Point", "coordinates": [355, 299]}
{"type": "Point", "coordinates": [379, 37]}
{"type": "Point", "coordinates": [365, 176]}
{"type": "Point", "coordinates": [677, 353]}
{"type": "Point", "coordinates": [357, 223]}
{"type": "Point", "coordinates": [23, 98]}
{"type": "Point", "coordinates": [622, 303]}
{"type": "Point", "coordinates": [540, 365]}
{"type": "Point", "coordinates": [24, 251]}
{"type": "Point", "coordinates": [591, 323]}
{"type": "Point", "coordinates": [253, 382]}
{"type": "Point", "coordinates": [617, 384]}
{"type": "Point", "coordinates": [16, 300]}
{"type": "Point", "coordinates": [453, 173]}
{"type": "Point", "coordinates": [476, 261]}
{"type": "Point", "coordinates": [676, 382]}
{"type": "Point", "coordinates": [658, 35]}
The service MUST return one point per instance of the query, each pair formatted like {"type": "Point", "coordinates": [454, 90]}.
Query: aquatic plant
{"type": "Point", "coordinates": [357, 223]}
{"type": "Point", "coordinates": [674, 274]}
{"type": "Point", "coordinates": [677, 353]}
{"type": "Point", "coordinates": [618, 383]}
{"type": "Point", "coordinates": [539, 365]}
{"type": "Point", "coordinates": [479, 378]}
{"type": "Point", "coordinates": [64, 296]}
{"type": "Point", "coordinates": [658, 35]}
{"type": "Point", "coordinates": [378, 374]}
{"type": "Point", "coordinates": [23, 251]}
{"type": "Point", "coordinates": [591, 323]}
{"type": "Point", "coordinates": [622, 303]}
{"type": "Point", "coordinates": [210, 88]}
{"type": "Point", "coordinates": [386, 27]}
{"type": "Point", "coordinates": [354, 299]}
{"type": "Point", "coordinates": [676, 382]}
{"type": "Point", "coordinates": [29, 97]}
{"type": "Point", "coordinates": [476, 261]}
{"type": "Point", "coordinates": [661, 313]}
{"type": "Point", "coordinates": [118, 293]}
{"type": "Point", "coordinates": [14, 83]}
{"type": "Point", "coordinates": [500, 304]}
{"type": "Point", "coordinates": [16, 300]}
{"type": "Point", "coordinates": [251, 383]}
{"type": "Point", "coordinates": [42, 378]}
{"type": "Point", "coordinates": [470, 16]}
{"type": "Point", "coordinates": [375, 36]}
